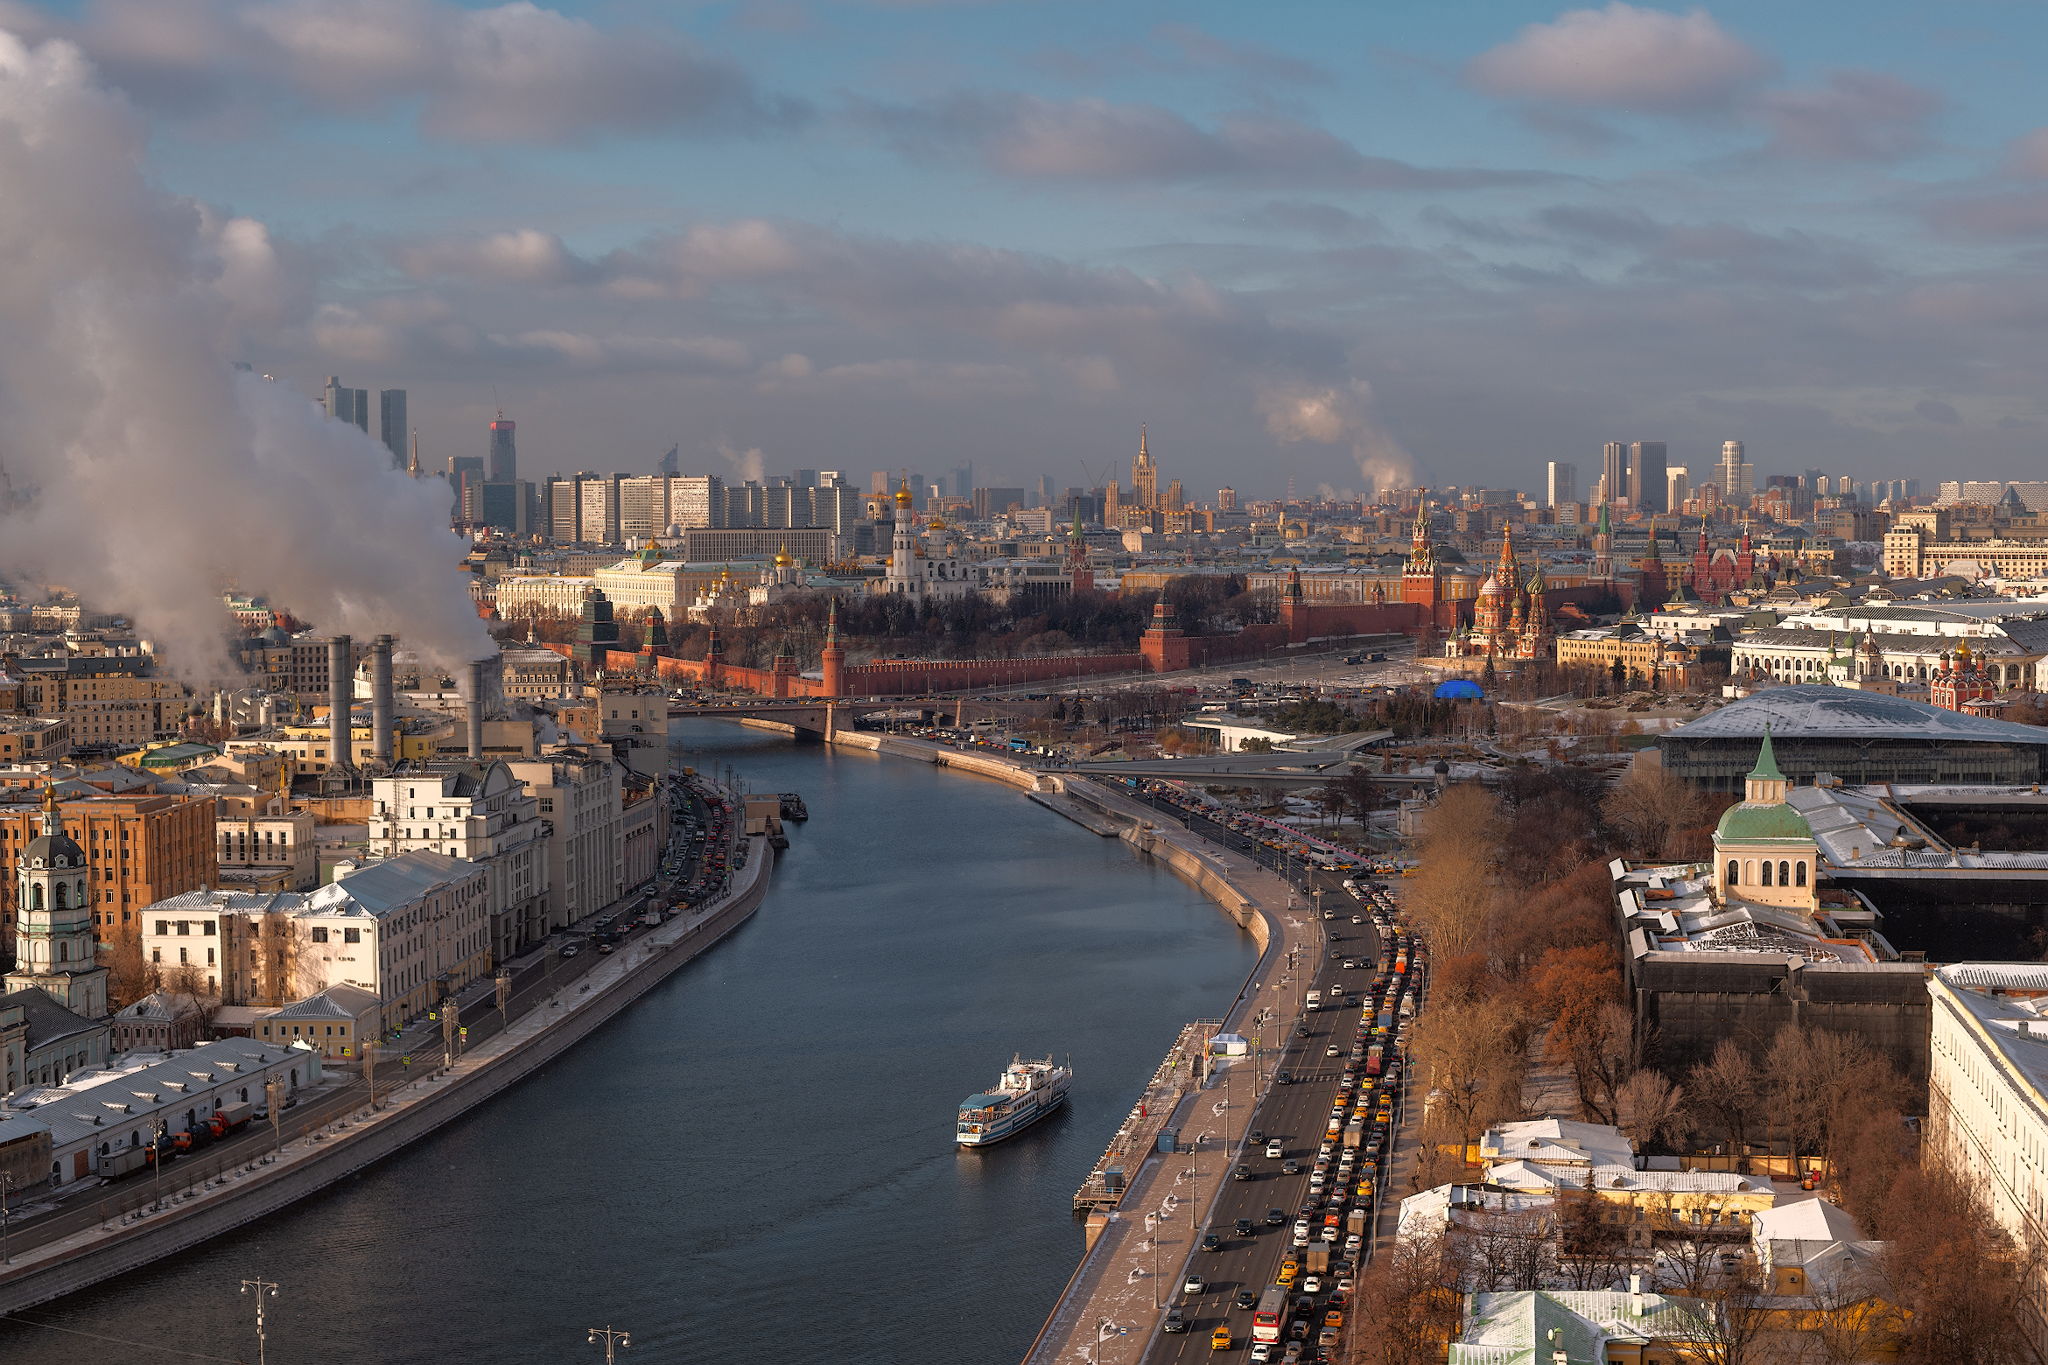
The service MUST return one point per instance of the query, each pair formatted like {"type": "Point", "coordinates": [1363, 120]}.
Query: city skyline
{"type": "Point", "coordinates": [1294, 237]}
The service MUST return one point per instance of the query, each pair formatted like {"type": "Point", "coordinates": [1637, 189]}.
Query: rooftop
{"type": "Point", "coordinates": [1819, 711]}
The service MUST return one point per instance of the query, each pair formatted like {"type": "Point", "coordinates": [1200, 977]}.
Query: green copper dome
{"type": "Point", "coordinates": [1753, 822]}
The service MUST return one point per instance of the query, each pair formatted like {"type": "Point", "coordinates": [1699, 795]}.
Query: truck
{"type": "Point", "coordinates": [124, 1161]}
{"type": "Point", "coordinates": [1375, 1059]}
{"type": "Point", "coordinates": [1315, 1258]}
{"type": "Point", "coordinates": [1313, 1002]}
{"type": "Point", "coordinates": [1354, 1134]}
{"type": "Point", "coordinates": [229, 1119]}
{"type": "Point", "coordinates": [1354, 1221]}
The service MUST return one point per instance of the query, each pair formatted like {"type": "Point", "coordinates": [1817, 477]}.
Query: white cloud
{"type": "Point", "coordinates": [1856, 116]}
{"type": "Point", "coordinates": [1623, 57]}
{"type": "Point", "coordinates": [513, 72]}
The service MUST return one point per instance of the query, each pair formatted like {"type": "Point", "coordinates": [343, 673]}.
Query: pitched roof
{"type": "Point", "coordinates": [48, 1021]}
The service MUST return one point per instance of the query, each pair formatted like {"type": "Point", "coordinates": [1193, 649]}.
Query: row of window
{"type": "Point", "coordinates": [1789, 873]}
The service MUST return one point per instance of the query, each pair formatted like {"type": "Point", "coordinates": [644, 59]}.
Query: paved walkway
{"type": "Point", "coordinates": [1111, 1307]}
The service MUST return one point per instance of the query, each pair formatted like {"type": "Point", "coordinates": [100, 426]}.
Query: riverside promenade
{"type": "Point", "coordinates": [1137, 1253]}
{"type": "Point", "coordinates": [266, 1182]}
{"type": "Point", "coordinates": [1109, 1312]}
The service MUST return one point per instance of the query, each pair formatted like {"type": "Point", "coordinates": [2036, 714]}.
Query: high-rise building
{"type": "Point", "coordinates": [504, 461]}
{"type": "Point", "coordinates": [1144, 475]}
{"type": "Point", "coordinates": [1226, 497]}
{"type": "Point", "coordinates": [506, 507]}
{"type": "Point", "coordinates": [1560, 484]}
{"type": "Point", "coordinates": [1175, 499]}
{"type": "Point", "coordinates": [990, 503]}
{"type": "Point", "coordinates": [598, 509]}
{"type": "Point", "coordinates": [671, 463]}
{"type": "Point", "coordinates": [1613, 473]}
{"type": "Point", "coordinates": [345, 404]}
{"type": "Point", "coordinates": [1677, 486]}
{"type": "Point", "coordinates": [963, 481]}
{"type": "Point", "coordinates": [391, 424]}
{"type": "Point", "coordinates": [1735, 474]}
{"type": "Point", "coordinates": [1646, 476]}
{"type": "Point", "coordinates": [465, 485]}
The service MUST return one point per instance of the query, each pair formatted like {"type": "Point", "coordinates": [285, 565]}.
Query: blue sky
{"type": "Point", "coordinates": [1349, 243]}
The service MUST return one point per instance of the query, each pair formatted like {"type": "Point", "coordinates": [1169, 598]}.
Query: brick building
{"type": "Point", "coordinates": [139, 848]}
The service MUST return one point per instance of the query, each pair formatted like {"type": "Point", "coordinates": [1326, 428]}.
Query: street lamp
{"type": "Point", "coordinates": [615, 1339]}
{"type": "Point", "coordinates": [6, 1188]}
{"type": "Point", "coordinates": [157, 1160]}
{"type": "Point", "coordinates": [263, 1289]}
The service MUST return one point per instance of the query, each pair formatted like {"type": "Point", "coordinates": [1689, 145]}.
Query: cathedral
{"type": "Point", "coordinates": [1511, 617]}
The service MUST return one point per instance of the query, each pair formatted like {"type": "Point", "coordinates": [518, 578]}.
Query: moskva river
{"type": "Point", "coordinates": [756, 1160]}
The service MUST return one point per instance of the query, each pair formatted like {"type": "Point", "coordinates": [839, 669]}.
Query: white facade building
{"type": "Point", "coordinates": [579, 795]}
{"type": "Point", "coordinates": [480, 813]}
{"type": "Point", "coordinates": [1987, 1083]}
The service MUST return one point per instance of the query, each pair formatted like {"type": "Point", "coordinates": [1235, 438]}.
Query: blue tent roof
{"type": "Point", "coordinates": [1458, 689]}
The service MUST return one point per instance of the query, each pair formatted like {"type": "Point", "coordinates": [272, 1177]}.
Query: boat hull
{"type": "Point", "coordinates": [1012, 1125]}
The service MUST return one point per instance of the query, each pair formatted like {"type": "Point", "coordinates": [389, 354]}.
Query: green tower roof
{"type": "Point", "coordinates": [1753, 823]}
{"type": "Point", "coordinates": [1766, 769]}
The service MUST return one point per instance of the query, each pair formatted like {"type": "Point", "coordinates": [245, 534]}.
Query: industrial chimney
{"type": "Point", "coordinates": [383, 742]}
{"type": "Point", "coordinates": [341, 686]}
{"type": "Point", "coordinates": [475, 710]}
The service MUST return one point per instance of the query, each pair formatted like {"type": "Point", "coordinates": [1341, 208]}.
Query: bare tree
{"type": "Point", "coordinates": [1964, 1286]}
{"type": "Point", "coordinates": [1651, 808]}
{"type": "Point", "coordinates": [1723, 1092]}
{"type": "Point", "coordinates": [1407, 1304]}
{"type": "Point", "coordinates": [1733, 1311]}
{"type": "Point", "coordinates": [1592, 1245]}
{"type": "Point", "coordinates": [1650, 1109]}
{"type": "Point", "coordinates": [1599, 1043]}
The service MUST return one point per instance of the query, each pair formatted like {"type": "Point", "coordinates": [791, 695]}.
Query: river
{"type": "Point", "coordinates": [756, 1157]}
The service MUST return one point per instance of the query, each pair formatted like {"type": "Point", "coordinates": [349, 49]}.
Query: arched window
{"type": "Point", "coordinates": [1801, 873]}
{"type": "Point", "coordinates": [63, 896]}
{"type": "Point", "coordinates": [35, 897]}
{"type": "Point", "coordinates": [63, 948]}
{"type": "Point", "coordinates": [1767, 872]}
{"type": "Point", "coordinates": [1734, 869]}
{"type": "Point", "coordinates": [1784, 874]}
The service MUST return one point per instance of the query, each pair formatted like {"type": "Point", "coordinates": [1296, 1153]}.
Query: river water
{"type": "Point", "coordinates": [756, 1158]}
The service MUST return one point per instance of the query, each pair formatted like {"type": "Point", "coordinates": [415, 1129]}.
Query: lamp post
{"type": "Point", "coordinates": [157, 1160]}
{"type": "Point", "coordinates": [6, 1188]}
{"type": "Point", "coordinates": [263, 1289]}
{"type": "Point", "coordinates": [615, 1339]}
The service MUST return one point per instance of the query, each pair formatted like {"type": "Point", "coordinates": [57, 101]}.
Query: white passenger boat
{"type": "Point", "coordinates": [1027, 1092]}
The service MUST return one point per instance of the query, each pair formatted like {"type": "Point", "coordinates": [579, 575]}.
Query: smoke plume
{"type": "Point", "coordinates": [748, 466]}
{"type": "Point", "coordinates": [142, 472]}
{"type": "Point", "coordinates": [1336, 416]}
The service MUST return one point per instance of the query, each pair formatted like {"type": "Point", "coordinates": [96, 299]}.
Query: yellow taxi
{"type": "Point", "coordinates": [1219, 1340]}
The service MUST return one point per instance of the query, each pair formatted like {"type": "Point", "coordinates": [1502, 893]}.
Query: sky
{"type": "Point", "coordinates": [1348, 244]}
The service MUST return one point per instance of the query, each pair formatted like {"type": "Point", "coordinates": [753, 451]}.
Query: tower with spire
{"type": "Point", "coordinates": [1081, 577]}
{"type": "Point", "coordinates": [1603, 548]}
{"type": "Point", "coordinates": [1421, 577]}
{"type": "Point", "coordinates": [1655, 588]}
{"type": "Point", "coordinates": [1764, 851]}
{"type": "Point", "coordinates": [1144, 475]}
{"type": "Point", "coordinates": [905, 577]}
{"type": "Point", "coordinates": [832, 659]}
{"type": "Point", "coordinates": [53, 936]}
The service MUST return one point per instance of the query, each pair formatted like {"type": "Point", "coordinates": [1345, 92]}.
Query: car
{"type": "Point", "coordinates": [1331, 1232]}
{"type": "Point", "coordinates": [1211, 1242]}
{"type": "Point", "coordinates": [1333, 1051]}
{"type": "Point", "coordinates": [1312, 1285]}
{"type": "Point", "coordinates": [1358, 919]}
{"type": "Point", "coordinates": [569, 950]}
{"type": "Point", "coordinates": [1353, 1243]}
{"type": "Point", "coordinates": [1245, 1227]}
{"type": "Point", "coordinates": [1255, 1137]}
{"type": "Point", "coordinates": [1240, 1172]}
{"type": "Point", "coordinates": [1274, 1150]}
{"type": "Point", "coordinates": [1175, 1321]}
{"type": "Point", "coordinates": [1282, 1078]}
{"type": "Point", "coordinates": [1246, 1300]}
{"type": "Point", "coordinates": [1262, 1352]}
{"type": "Point", "coordinates": [1301, 1237]}
{"type": "Point", "coordinates": [1194, 1284]}
{"type": "Point", "coordinates": [1327, 1338]}
{"type": "Point", "coordinates": [1344, 1286]}
{"type": "Point", "coordinates": [1335, 1317]}
{"type": "Point", "coordinates": [1221, 1340]}
{"type": "Point", "coordinates": [1276, 1218]}
{"type": "Point", "coordinates": [1291, 1354]}
{"type": "Point", "coordinates": [1298, 1330]}
{"type": "Point", "coordinates": [1290, 1167]}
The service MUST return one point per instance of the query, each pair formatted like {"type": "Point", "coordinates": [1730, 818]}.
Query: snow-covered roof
{"type": "Point", "coordinates": [1819, 711]}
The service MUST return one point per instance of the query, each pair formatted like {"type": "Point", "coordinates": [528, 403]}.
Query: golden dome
{"type": "Point", "coordinates": [782, 559]}
{"type": "Point", "coordinates": [936, 524]}
{"type": "Point", "coordinates": [903, 493]}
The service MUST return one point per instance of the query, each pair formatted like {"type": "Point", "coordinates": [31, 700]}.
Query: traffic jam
{"type": "Point", "coordinates": [1300, 1314]}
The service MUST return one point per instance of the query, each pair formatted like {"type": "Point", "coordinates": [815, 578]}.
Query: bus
{"type": "Point", "coordinates": [1271, 1314]}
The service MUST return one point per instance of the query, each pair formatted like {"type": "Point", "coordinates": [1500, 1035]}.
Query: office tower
{"type": "Point", "coordinates": [506, 507]}
{"type": "Point", "coordinates": [990, 503]}
{"type": "Point", "coordinates": [1613, 473]}
{"type": "Point", "coordinates": [1175, 499]}
{"type": "Point", "coordinates": [1044, 494]}
{"type": "Point", "coordinates": [807, 478]}
{"type": "Point", "coordinates": [465, 484]}
{"type": "Point", "coordinates": [1646, 476]}
{"type": "Point", "coordinates": [1736, 475]}
{"type": "Point", "coordinates": [878, 481]}
{"type": "Point", "coordinates": [597, 511]}
{"type": "Point", "coordinates": [832, 478]}
{"type": "Point", "coordinates": [963, 481]}
{"type": "Point", "coordinates": [345, 404]}
{"type": "Point", "coordinates": [504, 461]}
{"type": "Point", "coordinates": [1677, 487]}
{"type": "Point", "coordinates": [671, 463]}
{"type": "Point", "coordinates": [1561, 485]}
{"type": "Point", "coordinates": [391, 426]}
{"type": "Point", "coordinates": [1226, 499]}
{"type": "Point", "coordinates": [1144, 475]}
